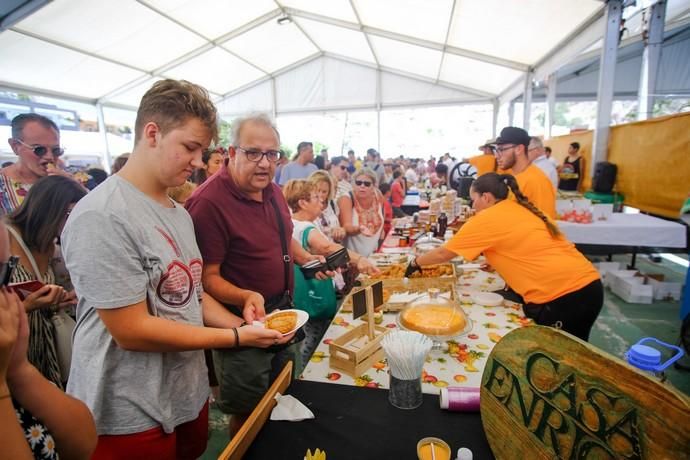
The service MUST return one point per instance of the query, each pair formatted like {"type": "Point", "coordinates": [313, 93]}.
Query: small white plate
{"type": "Point", "coordinates": [302, 318]}
{"type": "Point", "coordinates": [489, 299]}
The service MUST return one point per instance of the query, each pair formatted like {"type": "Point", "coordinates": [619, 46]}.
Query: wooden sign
{"type": "Point", "coordinates": [359, 303]}
{"type": "Point", "coordinates": [546, 394]}
{"type": "Point", "coordinates": [359, 299]}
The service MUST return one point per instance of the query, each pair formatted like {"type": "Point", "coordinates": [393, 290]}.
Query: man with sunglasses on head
{"type": "Point", "coordinates": [36, 142]}
{"type": "Point", "coordinates": [302, 166]}
{"type": "Point", "coordinates": [242, 222]}
{"type": "Point", "coordinates": [512, 152]}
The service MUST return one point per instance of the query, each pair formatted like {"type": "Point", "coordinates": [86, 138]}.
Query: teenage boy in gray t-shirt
{"type": "Point", "coordinates": [142, 315]}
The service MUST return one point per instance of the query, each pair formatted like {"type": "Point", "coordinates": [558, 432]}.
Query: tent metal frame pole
{"type": "Point", "coordinates": [494, 120]}
{"type": "Point", "coordinates": [651, 57]}
{"type": "Point", "coordinates": [368, 30]}
{"type": "Point", "coordinates": [104, 132]}
{"type": "Point", "coordinates": [551, 83]}
{"type": "Point", "coordinates": [527, 100]}
{"type": "Point", "coordinates": [607, 70]}
{"type": "Point", "coordinates": [379, 98]}
{"type": "Point", "coordinates": [511, 112]}
{"type": "Point", "coordinates": [274, 99]}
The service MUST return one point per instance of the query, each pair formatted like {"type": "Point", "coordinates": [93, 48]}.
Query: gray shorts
{"type": "Point", "coordinates": [245, 375]}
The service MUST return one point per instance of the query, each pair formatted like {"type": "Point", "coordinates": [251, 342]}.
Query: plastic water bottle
{"type": "Point", "coordinates": [648, 359]}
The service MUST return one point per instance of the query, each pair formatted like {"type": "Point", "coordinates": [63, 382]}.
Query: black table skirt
{"type": "Point", "coordinates": [354, 423]}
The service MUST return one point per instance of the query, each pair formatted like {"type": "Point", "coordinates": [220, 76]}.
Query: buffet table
{"type": "Point", "coordinates": [359, 423]}
{"type": "Point", "coordinates": [457, 363]}
{"type": "Point", "coordinates": [626, 234]}
{"type": "Point", "coordinates": [621, 229]}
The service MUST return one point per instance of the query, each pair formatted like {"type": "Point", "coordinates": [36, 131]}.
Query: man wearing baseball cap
{"type": "Point", "coordinates": [486, 162]}
{"type": "Point", "coordinates": [511, 153]}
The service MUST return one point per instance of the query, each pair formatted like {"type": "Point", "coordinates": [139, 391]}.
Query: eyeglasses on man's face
{"type": "Point", "coordinates": [499, 150]}
{"type": "Point", "coordinates": [41, 150]}
{"type": "Point", "coordinates": [363, 183]}
{"type": "Point", "coordinates": [6, 270]}
{"type": "Point", "coordinates": [256, 155]}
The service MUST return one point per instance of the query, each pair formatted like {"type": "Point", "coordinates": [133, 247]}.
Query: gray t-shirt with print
{"type": "Point", "coordinates": [121, 247]}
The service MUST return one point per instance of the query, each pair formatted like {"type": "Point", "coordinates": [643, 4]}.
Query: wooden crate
{"type": "Point", "coordinates": [354, 360]}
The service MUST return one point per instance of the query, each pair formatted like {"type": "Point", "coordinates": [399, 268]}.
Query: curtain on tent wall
{"type": "Point", "coordinates": [653, 158]}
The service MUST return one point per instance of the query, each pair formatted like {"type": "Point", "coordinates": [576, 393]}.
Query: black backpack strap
{"type": "Point", "coordinates": [283, 244]}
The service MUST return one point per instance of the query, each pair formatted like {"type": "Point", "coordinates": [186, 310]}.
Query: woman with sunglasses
{"type": "Point", "coordinates": [362, 214]}
{"type": "Point", "coordinates": [34, 228]}
{"type": "Point", "coordinates": [559, 285]}
{"type": "Point", "coordinates": [36, 142]}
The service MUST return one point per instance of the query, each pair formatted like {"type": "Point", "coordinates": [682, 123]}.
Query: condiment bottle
{"type": "Point", "coordinates": [442, 224]}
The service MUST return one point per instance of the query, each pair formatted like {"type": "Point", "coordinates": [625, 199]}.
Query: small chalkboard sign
{"type": "Point", "coordinates": [377, 292]}
{"type": "Point", "coordinates": [359, 299]}
{"type": "Point", "coordinates": [359, 303]}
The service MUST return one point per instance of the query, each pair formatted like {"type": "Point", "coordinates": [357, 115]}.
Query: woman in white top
{"type": "Point", "coordinates": [328, 221]}
{"type": "Point", "coordinates": [362, 215]}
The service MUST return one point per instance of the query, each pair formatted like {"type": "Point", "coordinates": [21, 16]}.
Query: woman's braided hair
{"type": "Point", "coordinates": [499, 184]}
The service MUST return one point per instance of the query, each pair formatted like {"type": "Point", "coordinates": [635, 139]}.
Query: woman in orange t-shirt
{"type": "Point", "coordinates": [559, 285]}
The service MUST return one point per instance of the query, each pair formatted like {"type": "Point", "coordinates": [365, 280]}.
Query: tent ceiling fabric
{"type": "Point", "coordinates": [111, 52]}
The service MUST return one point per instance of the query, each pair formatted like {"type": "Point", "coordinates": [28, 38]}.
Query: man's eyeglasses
{"type": "Point", "coordinates": [7, 269]}
{"type": "Point", "coordinates": [500, 150]}
{"type": "Point", "coordinates": [40, 150]}
{"type": "Point", "coordinates": [363, 183]}
{"type": "Point", "coordinates": [256, 155]}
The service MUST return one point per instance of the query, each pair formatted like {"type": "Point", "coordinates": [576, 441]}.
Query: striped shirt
{"type": "Point", "coordinates": [12, 193]}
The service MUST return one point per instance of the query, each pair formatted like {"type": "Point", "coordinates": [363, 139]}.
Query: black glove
{"type": "Point", "coordinates": [412, 267]}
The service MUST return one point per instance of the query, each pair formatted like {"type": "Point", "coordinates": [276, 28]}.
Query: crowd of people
{"type": "Point", "coordinates": [168, 262]}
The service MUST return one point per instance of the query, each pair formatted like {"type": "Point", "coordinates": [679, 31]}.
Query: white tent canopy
{"type": "Point", "coordinates": [300, 56]}
{"type": "Point", "coordinates": [286, 55]}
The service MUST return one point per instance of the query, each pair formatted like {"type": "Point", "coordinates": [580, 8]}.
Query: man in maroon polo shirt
{"type": "Point", "coordinates": [237, 230]}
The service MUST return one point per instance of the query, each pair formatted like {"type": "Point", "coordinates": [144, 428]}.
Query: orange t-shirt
{"type": "Point", "coordinates": [518, 245]}
{"type": "Point", "coordinates": [484, 163]}
{"type": "Point", "coordinates": [537, 187]}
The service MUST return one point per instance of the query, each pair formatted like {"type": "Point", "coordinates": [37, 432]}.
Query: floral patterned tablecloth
{"type": "Point", "coordinates": [457, 363]}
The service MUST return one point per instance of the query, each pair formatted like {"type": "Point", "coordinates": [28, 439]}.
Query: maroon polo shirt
{"type": "Point", "coordinates": [241, 234]}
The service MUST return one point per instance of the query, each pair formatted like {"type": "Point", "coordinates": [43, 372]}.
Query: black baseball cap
{"type": "Point", "coordinates": [513, 135]}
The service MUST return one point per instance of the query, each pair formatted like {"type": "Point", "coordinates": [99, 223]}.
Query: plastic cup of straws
{"type": "Point", "coordinates": [405, 394]}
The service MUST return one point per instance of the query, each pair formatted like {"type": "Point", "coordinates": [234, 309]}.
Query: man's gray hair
{"type": "Point", "coordinates": [535, 143]}
{"type": "Point", "coordinates": [255, 117]}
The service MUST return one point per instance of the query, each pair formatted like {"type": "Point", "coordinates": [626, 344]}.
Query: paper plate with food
{"type": "Point", "coordinates": [284, 321]}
